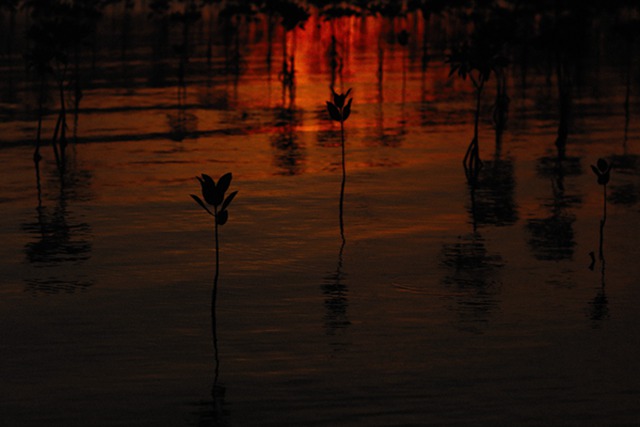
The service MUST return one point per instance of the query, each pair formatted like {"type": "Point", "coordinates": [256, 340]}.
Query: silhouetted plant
{"type": "Point", "coordinates": [602, 169]}
{"type": "Point", "coordinates": [599, 309]}
{"type": "Point", "coordinates": [214, 196]}
{"type": "Point", "coordinates": [477, 61]}
{"type": "Point", "coordinates": [340, 112]}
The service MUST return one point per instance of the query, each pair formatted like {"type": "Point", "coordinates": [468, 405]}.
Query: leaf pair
{"type": "Point", "coordinates": [214, 195]}
{"type": "Point", "coordinates": [602, 169]}
{"type": "Point", "coordinates": [338, 111]}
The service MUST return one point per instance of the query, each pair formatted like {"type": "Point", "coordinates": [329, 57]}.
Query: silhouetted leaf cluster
{"type": "Point", "coordinates": [338, 111]}
{"type": "Point", "coordinates": [602, 169]}
{"type": "Point", "coordinates": [214, 195]}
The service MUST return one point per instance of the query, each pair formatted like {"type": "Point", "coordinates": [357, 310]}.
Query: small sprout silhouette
{"type": "Point", "coordinates": [602, 169]}
{"type": "Point", "coordinates": [214, 195]}
{"type": "Point", "coordinates": [340, 112]}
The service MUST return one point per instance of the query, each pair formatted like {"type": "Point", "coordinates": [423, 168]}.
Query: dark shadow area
{"type": "Point", "coordinates": [552, 237]}
{"type": "Point", "coordinates": [473, 272]}
{"type": "Point", "coordinates": [336, 301]}
{"type": "Point", "coordinates": [473, 277]}
{"type": "Point", "coordinates": [599, 309]}
{"type": "Point", "coordinates": [58, 238]}
{"type": "Point", "coordinates": [494, 194]}
{"type": "Point", "coordinates": [493, 191]}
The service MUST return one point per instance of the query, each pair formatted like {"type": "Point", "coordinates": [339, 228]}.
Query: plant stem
{"type": "Point", "coordinates": [215, 277]}
{"type": "Point", "coordinates": [478, 97]}
{"type": "Point", "coordinates": [602, 222]}
{"type": "Point", "coordinates": [604, 200]}
{"type": "Point", "coordinates": [214, 292]}
{"type": "Point", "coordinates": [344, 179]}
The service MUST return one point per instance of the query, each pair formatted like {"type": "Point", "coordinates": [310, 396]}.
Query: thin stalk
{"type": "Point", "coordinates": [344, 180]}
{"type": "Point", "coordinates": [217, 273]}
{"type": "Point", "coordinates": [604, 201]}
{"type": "Point", "coordinates": [602, 222]}
{"type": "Point", "coordinates": [36, 155]}
{"type": "Point", "coordinates": [214, 293]}
{"type": "Point", "coordinates": [54, 140]}
{"type": "Point", "coordinates": [479, 87]}
{"type": "Point", "coordinates": [627, 97]}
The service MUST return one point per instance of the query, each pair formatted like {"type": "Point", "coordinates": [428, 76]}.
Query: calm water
{"type": "Point", "coordinates": [447, 304]}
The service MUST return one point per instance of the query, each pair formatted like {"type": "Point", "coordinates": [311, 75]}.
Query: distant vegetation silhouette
{"type": "Point", "coordinates": [477, 59]}
{"type": "Point", "coordinates": [56, 33]}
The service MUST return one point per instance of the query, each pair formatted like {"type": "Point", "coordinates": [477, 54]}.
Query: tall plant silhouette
{"type": "Point", "coordinates": [599, 309]}
{"type": "Point", "coordinates": [214, 196]}
{"type": "Point", "coordinates": [340, 112]}
{"type": "Point", "coordinates": [602, 169]}
{"type": "Point", "coordinates": [477, 60]}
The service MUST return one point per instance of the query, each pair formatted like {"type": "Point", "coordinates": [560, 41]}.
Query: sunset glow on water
{"type": "Point", "coordinates": [504, 297]}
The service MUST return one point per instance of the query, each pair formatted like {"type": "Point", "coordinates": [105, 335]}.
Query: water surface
{"type": "Point", "coordinates": [448, 304]}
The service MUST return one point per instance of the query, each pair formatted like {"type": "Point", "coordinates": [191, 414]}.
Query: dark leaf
{"type": "Point", "coordinates": [222, 217]}
{"type": "Point", "coordinates": [223, 185]}
{"type": "Point", "coordinates": [338, 99]}
{"type": "Point", "coordinates": [208, 188]}
{"type": "Point", "coordinates": [333, 112]}
{"type": "Point", "coordinates": [228, 200]}
{"type": "Point", "coordinates": [224, 182]}
{"type": "Point", "coordinates": [603, 165]}
{"type": "Point", "coordinates": [201, 203]}
{"type": "Point", "coordinates": [347, 110]}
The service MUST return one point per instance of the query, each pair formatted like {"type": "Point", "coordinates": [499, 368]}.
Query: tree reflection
{"type": "Point", "coordinates": [552, 237]}
{"type": "Point", "coordinates": [492, 193]}
{"type": "Point", "coordinates": [213, 413]}
{"type": "Point", "coordinates": [336, 298]}
{"type": "Point", "coordinates": [58, 238]}
{"type": "Point", "coordinates": [473, 273]}
{"type": "Point", "coordinates": [289, 155]}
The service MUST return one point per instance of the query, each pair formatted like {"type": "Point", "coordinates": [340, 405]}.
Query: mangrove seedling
{"type": "Point", "coordinates": [340, 112]}
{"type": "Point", "coordinates": [214, 196]}
{"type": "Point", "coordinates": [602, 169]}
